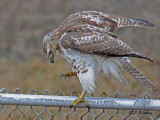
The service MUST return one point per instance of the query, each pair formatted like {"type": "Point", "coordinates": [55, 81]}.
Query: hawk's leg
{"type": "Point", "coordinates": [80, 99]}
{"type": "Point", "coordinates": [70, 74]}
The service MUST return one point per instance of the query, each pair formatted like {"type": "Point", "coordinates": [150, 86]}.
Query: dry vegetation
{"type": "Point", "coordinates": [23, 23]}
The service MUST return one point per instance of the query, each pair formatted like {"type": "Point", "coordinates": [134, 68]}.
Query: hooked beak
{"type": "Point", "coordinates": [52, 61]}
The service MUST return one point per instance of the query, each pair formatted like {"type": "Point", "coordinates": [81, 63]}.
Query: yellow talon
{"type": "Point", "coordinates": [70, 74]}
{"type": "Point", "coordinates": [80, 99]}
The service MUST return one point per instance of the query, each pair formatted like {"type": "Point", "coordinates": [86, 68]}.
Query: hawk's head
{"type": "Point", "coordinates": [49, 47]}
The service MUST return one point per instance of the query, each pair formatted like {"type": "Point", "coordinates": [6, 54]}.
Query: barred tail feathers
{"type": "Point", "coordinates": [136, 74]}
{"type": "Point", "coordinates": [124, 22]}
{"type": "Point", "coordinates": [135, 22]}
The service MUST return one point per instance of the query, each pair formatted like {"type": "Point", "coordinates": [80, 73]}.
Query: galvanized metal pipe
{"type": "Point", "coordinates": [93, 102]}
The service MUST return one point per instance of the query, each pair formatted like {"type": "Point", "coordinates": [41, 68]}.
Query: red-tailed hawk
{"type": "Point", "coordinates": [86, 41]}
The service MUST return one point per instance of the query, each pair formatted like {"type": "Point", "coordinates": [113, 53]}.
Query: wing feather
{"type": "Point", "coordinates": [106, 21]}
{"type": "Point", "coordinates": [97, 43]}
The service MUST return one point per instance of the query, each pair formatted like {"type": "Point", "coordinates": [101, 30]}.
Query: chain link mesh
{"type": "Point", "coordinates": [20, 112]}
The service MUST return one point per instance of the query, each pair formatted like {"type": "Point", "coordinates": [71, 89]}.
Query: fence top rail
{"type": "Point", "coordinates": [93, 102]}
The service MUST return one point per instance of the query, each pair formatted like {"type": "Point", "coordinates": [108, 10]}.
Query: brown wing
{"type": "Point", "coordinates": [98, 44]}
{"type": "Point", "coordinates": [106, 21]}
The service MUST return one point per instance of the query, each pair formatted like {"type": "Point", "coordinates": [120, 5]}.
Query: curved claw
{"type": "Point", "coordinates": [78, 100]}
{"type": "Point", "coordinates": [65, 75]}
{"type": "Point", "coordinates": [61, 76]}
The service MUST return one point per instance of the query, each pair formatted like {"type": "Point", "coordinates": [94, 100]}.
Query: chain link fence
{"type": "Point", "coordinates": [31, 106]}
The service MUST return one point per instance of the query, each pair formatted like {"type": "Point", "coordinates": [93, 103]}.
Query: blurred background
{"type": "Point", "coordinates": [24, 23]}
